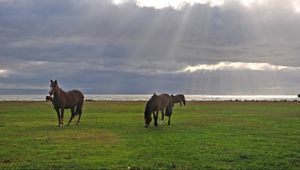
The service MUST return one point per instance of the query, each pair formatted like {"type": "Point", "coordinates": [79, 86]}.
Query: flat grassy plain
{"type": "Point", "coordinates": [203, 135]}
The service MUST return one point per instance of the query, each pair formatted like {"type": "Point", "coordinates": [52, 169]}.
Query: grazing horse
{"type": "Point", "coordinates": [156, 103]}
{"type": "Point", "coordinates": [65, 100]}
{"type": "Point", "coordinates": [179, 98]}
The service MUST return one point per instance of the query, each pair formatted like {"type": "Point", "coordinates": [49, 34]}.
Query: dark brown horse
{"type": "Point", "coordinates": [179, 98]}
{"type": "Point", "coordinates": [65, 100]}
{"type": "Point", "coordinates": [156, 103]}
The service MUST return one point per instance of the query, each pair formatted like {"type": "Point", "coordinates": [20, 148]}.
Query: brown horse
{"type": "Point", "coordinates": [179, 98]}
{"type": "Point", "coordinates": [65, 100]}
{"type": "Point", "coordinates": [155, 104]}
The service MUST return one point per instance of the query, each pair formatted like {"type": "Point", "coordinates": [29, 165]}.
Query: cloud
{"type": "Point", "coordinates": [138, 45]}
{"type": "Point", "coordinates": [181, 4]}
{"type": "Point", "coordinates": [238, 66]}
{"type": "Point", "coordinates": [3, 73]}
{"type": "Point", "coordinates": [175, 4]}
{"type": "Point", "coordinates": [297, 6]}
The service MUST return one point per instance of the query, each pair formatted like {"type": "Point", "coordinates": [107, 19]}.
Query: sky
{"type": "Point", "coordinates": [212, 47]}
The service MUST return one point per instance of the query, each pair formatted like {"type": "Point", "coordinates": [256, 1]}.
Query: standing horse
{"type": "Point", "coordinates": [155, 104]}
{"type": "Point", "coordinates": [65, 100]}
{"type": "Point", "coordinates": [179, 98]}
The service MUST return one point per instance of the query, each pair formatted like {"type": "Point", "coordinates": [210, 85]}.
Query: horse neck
{"type": "Point", "coordinates": [59, 93]}
{"type": "Point", "coordinates": [150, 105]}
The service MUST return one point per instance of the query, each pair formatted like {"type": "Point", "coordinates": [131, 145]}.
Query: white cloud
{"type": "Point", "coordinates": [297, 6]}
{"type": "Point", "coordinates": [179, 4]}
{"type": "Point", "coordinates": [238, 66]}
{"type": "Point", "coordinates": [176, 4]}
{"type": "Point", "coordinates": [3, 73]}
{"type": "Point", "coordinates": [118, 2]}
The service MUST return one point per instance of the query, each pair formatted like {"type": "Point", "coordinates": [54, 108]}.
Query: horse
{"type": "Point", "coordinates": [65, 100]}
{"type": "Point", "coordinates": [49, 98]}
{"type": "Point", "coordinates": [179, 98]}
{"type": "Point", "coordinates": [156, 103]}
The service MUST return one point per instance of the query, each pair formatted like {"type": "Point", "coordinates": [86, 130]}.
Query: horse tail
{"type": "Point", "coordinates": [183, 100]}
{"type": "Point", "coordinates": [79, 106]}
{"type": "Point", "coordinates": [78, 109]}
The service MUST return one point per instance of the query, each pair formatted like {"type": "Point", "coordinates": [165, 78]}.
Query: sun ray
{"type": "Point", "coordinates": [178, 35]}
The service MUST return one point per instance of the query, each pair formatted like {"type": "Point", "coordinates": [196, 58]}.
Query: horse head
{"type": "Point", "coordinates": [53, 87]}
{"type": "Point", "coordinates": [148, 110]}
{"type": "Point", "coordinates": [147, 114]}
{"type": "Point", "coordinates": [148, 119]}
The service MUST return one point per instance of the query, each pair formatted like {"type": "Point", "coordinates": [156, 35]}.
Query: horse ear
{"type": "Point", "coordinates": [51, 81]}
{"type": "Point", "coordinates": [154, 94]}
{"type": "Point", "coordinates": [55, 81]}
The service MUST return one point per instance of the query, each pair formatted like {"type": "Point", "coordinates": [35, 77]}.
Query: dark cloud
{"type": "Point", "coordinates": [106, 48]}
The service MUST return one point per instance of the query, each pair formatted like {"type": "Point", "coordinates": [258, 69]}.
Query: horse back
{"type": "Point", "coordinates": [73, 98]}
{"type": "Point", "coordinates": [76, 95]}
{"type": "Point", "coordinates": [167, 103]}
{"type": "Point", "coordinates": [165, 100]}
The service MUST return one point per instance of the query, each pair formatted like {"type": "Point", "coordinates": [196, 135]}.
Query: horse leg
{"type": "Point", "coordinates": [162, 116]}
{"type": "Point", "coordinates": [62, 117]}
{"type": "Point", "coordinates": [72, 115]}
{"type": "Point", "coordinates": [58, 115]}
{"type": "Point", "coordinates": [155, 115]}
{"type": "Point", "coordinates": [180, 104]}
{"type": "Point", "coordinates": [169, 122]}
{"type": "Point", "coordinates": [79, 111]}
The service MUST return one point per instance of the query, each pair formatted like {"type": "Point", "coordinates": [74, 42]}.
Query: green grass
{"type": "Point", "coordinates": [204, 135]}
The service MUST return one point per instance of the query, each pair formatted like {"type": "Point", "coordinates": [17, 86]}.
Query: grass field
{"type": "Point", "coordinates": [204, 135]}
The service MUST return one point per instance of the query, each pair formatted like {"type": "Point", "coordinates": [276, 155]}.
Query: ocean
{"type": "Point", "coordinates": [145, 97]}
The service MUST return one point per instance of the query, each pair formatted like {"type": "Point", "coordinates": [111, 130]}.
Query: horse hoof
{"type": "Point", "coordinates": [146, 126]}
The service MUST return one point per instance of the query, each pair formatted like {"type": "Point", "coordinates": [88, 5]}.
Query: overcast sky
{"type": "Point", "coordinates": [145, 46]}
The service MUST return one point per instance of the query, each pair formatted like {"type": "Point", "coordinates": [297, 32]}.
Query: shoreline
{"type": "Point", "coordinates": [144, 98]}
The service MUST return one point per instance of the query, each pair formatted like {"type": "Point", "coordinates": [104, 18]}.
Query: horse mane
{"type": "Point", "coordinates": [149, 105]}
